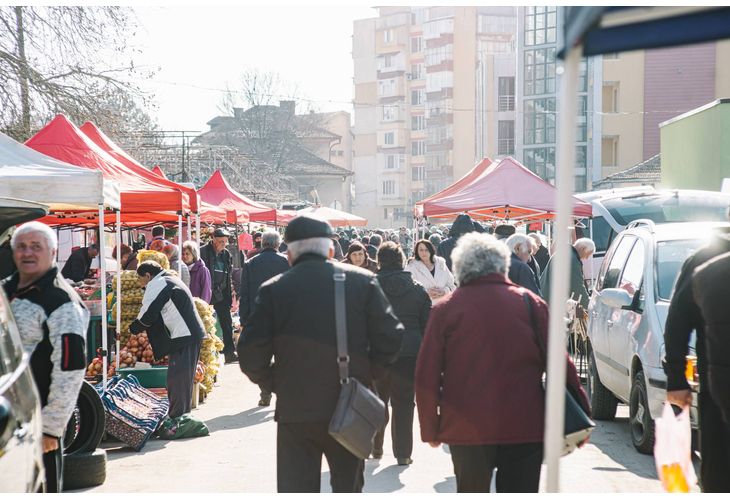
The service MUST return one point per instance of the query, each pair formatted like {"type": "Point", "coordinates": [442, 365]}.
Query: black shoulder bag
{"type": "Point", "coordinates": [359, 413]}
{"type": "Point", "coordinates": [578, 425]}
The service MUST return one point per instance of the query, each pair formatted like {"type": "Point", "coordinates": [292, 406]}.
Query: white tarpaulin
{"type": "Point", "coordinates": [29, 175]}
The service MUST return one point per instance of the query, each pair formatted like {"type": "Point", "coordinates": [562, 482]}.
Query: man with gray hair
{"type": "Point", "coordinates": [52, 322]}
{"type": "Point", "coordinates": [583, 249]}
{"type": "Point", "coordinates": [262, 267]}
{"type": "Point", "coordinates": [293, 322]}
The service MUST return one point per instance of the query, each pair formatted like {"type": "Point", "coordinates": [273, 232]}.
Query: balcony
{"type": "Point", "coordinates": [506, 103]}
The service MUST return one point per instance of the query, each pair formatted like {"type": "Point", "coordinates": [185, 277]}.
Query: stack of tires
{"type": "Point", "coordinates": [84, 464]}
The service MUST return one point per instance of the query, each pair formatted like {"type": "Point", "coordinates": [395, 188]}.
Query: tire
{"type": "Point", "coordinates": [84, 470]}
{"type": "Point", "coordinates": [72, 430]}
{"type": "Point", "coordinates": [91, 421]}
{"type": "Point", "coordinates": [640, 421]}
{"type": "Point", "coordinates": [603, 402]}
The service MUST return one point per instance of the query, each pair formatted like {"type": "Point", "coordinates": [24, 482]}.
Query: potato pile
{"type": "Point", "coordinates": [209, 348]}
{"type": "Point", "coordinates": [158, 257]}
{"type": "Point", "coordinates": [132, 295]}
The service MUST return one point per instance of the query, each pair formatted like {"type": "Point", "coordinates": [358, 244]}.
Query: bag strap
{"type": "Point", "coordinates": [343, 359]}
{"type": "Point", "coordinates": [535, 336]}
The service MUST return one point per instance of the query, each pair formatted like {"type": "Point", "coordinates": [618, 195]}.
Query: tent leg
{"type": "Point", "coordinates": [190, 231]}
{"type": "Point", "coordinates": [102, 269]}
{"type": "Point", "coordinates": [555, 393]}
{"type": "Point", "coordinates": [179, 244]}
{"type": "Point", "coordinates": [119, 288]}
{"type": "Point", "coordinates": [197, 228]}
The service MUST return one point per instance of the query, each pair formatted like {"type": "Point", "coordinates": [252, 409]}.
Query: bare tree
{"type": "Point", "coordinates": [60, 59]}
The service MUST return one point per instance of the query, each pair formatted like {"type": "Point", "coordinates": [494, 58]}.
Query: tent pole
{"type": "Point", "coordinates": [197, 229]}
{"type": "Point", "coordinates": [179, 244]}
{"type": "Point", "coordinates": [119, 288]}
{"type": "Point", "coordinates": [190, 231]}
{"type": "Point", "coordinates": [555, 393]}
{"type": "Point", "coordinates": [102, 270]}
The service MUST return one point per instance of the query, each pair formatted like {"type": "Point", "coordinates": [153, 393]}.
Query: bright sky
{"type": "Point", "coordinates": [203, 48]}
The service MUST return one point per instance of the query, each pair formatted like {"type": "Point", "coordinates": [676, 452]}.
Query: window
{"type": "Point", "coordinates": [418, 173]}
{"type": "Point", "coordinates": [388, 188]}
{"type": "Point", "coordinates": [601, 234]}
{"type": "Point", "coordinates": [541, 161]}
{"type": "Point", "coordinates": [388, 36]}
{"type": "Point", "coordinates": [385, 213]}
{"type": "Point", "coordinates": [389, 138]}
{"type": "Point", "coordinates": [418, 148]}
{"type": "Point", "coordinates": [416, 43]}
{"type": "Point", "coordinates": [390, 113]}
{"type": "Point", "coordinates": [386, 87]}
{"type": "Point", "coordinates": [391, 162]}
{"type": "Point", "coordinates": [582, 130]}
{"type": "Point", "coordinates": [610, 278]}
{"type": "Point", "coordinates": [611, 55]}
{"type": "Point", "coordinates": [540, 25]}
{"type": "Point", "coordinates": [610, 97]}
{"type": "Point", "coordinates": [506, 85]}
{"type": "Point", "coordinates": [437, 81]}
{"type": "Point", "coordinates": [418, 122]}
{"type": "Point", "coordinates": [583, 76]}
{"type": "Point", "coordinates": [609, 151]}
{"type": "Point", "coordinates": [434, 29]}
{"type": "Point", "coordinates": [506, 137]}
{"type": "Point", "coordinates": [634, 269]}
{"type": "Point", "coordinates": [416, 71]}
{"type": "Point", "coordinates": [439, 55]}
{"type": "Point", "coordinates": [418, 96]}
{"type": "Point", "coordinates": [540, 71]}
{"type": "Point", "coordinates": [539, 121]}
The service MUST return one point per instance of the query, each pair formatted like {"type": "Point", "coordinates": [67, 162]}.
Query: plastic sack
{"type": "Point", "coordinates": [673, 451]}
{"type": "Point", "coordinates": [181, 427]}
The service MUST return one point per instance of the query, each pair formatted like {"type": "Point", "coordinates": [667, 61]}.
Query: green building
{"type": "Point", "coordinates": [695, 147]}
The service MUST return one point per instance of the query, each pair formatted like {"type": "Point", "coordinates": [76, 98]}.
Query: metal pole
{"type": "Point", "coordinates": [119, 287]}
{"type": "Point", "coordinates": [102, 269]}
{"type": "Point", "coordinates": [555, 393]}
{"type": "Point", "coordinates": [190, 230]}
{"type": "Point", "coordinates": [179, 244]}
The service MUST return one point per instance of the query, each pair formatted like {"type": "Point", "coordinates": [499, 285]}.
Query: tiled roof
{"type": "Point", "coordinates": [646, 172]}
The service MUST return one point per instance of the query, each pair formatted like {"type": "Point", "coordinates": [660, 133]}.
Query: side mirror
{"type": "Point", "coordinates": [616, 297]}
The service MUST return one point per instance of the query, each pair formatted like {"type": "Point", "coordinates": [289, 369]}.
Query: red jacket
{"type": "Point", "coordinates": [479, 370]}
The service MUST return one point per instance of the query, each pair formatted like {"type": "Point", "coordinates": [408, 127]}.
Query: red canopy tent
{"type": "Point", "coordinates": [158, 171]}
{"type": "Point", "coordinates": [219, 193]}
{"type": "Point", "coordinates": [105, 143]}
{"type": "Point", "coordinates": [504, 190]}
{"type": "Point", "coordinates": [456, 186]}
{"type": "Point", "coordinates": [62, 140]}
{"type": "Point", "coordinates": [336, 218]}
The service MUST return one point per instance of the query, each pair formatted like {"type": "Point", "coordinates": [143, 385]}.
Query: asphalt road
{"type": "Point", "coordinates": [240, 456]}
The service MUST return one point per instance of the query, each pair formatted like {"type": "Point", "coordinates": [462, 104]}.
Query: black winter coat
{"type": "Point", "coordinates": [255, 271]}
{"type": "Point", "coordinates": [77, 266]}
{"type": "Point", "coordinates": [521, 275]}
{"type": "Point", "coordinates": [462, 225]}
{"type": "Point", "coordinates": [542, 256]}
{"type": "Point", "coordinates": [293, 321]}
{"type": "Point", "coordinates": [221, 282]}
{"type": "Point", "coordinates": [411, 304]}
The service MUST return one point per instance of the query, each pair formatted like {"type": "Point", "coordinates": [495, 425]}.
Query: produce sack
{"type": "Point", "coordinates": [182, 427]}
{"type": "Point", "coordinates": [673, 451]}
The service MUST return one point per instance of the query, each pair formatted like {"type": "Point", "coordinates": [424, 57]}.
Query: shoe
{"type": "Point", "coordinates": [265, 401]}
{"type": "Point", "coordinates": [405, 461]}
{"type": "Point", "coordinates": [377, 455]}
{"type": "Point", "coordinates": [231, 358]}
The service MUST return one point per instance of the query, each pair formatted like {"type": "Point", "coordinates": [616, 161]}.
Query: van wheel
{"type": "Point", "coordinates": [642, 425]}
{"type": "Point", "coordinates": [84, 470]}
{"type": "Point", "coordinates": [603, 402]}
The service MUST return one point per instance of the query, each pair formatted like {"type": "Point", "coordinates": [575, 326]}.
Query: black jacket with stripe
{"type": "Point", "coordinates": [168, 315]}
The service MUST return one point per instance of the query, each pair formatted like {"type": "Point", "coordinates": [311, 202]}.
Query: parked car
{"type": "Point", "coordinates": [21, 433]}
{"type": "Point", "coordinates": [627, 314]}
{"type": "Point", "coordinates": [614, 209]}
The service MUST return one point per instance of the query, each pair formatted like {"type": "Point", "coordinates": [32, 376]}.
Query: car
{"type": "Point", "coordinates": [626, 318]}
{"type": "Point", "coordinates": [614, 209]}
{"type": "Point", "coordinates": [21, 433]}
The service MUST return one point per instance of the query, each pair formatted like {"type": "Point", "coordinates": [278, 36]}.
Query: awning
{"type": "Point", "coordinates": [335, 217]}
{"type": "Point", "coordinates": [456, 186]}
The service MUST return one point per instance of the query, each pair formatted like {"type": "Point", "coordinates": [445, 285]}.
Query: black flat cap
{"type": "Point", "coordinates": [304, 227]}
{"type": "Point", "coordinates": [505, 230]}
{"type": "Point", "coordinates": [219, 232]}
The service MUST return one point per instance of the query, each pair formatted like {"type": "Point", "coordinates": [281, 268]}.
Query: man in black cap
{"type": "Point", "coordinates": [219, 262]}
{"type": "Point", "coordinates": [293, 321]}
{"type": "Point", "coordinates": [504, 231]}
{"type": "Point", "coordinates": [462, 225]}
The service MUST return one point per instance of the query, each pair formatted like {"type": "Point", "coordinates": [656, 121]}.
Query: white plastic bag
{"type": "Point", "coordinates": [673, 451]}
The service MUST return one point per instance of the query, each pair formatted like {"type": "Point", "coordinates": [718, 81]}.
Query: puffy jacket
{"type": "Point", "coordinates": [411, 304]}
{"type": "Point", "coordinates": [257, 270]}
{"type": "Point", "coordinates": [442, 277]}
{"type": "Point", "coordinates": [168, 315]}
{"type": "Point", "coordinates": [462, 225]}
{"type": "Point", "coordinates": [200, 285]}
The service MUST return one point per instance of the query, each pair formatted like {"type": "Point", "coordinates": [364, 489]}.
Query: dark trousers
{"type": "Point", "coordinates": [397, 387]}
{"type": "Point", "coordinates": [180, 379]}
{"type": "Point", "coordinates": [266, 395]}
{"type": "Point", "coordinates": [518, 467]}
{"type": "Point", "coordinates": [223, 312]}
{"type": "Point", "coordinates": [53, 462]}
{"type": "Point", "coordinates": [714, 447]}
{"type": "Point", "coordinates": [299, 449]}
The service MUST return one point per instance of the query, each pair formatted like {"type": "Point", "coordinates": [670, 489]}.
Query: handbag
{"type": "Point", "coordinates": [359, 413]}
{"type": "Point", "coordinates": [578, 425]}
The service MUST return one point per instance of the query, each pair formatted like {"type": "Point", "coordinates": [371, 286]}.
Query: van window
{"type": "Point", "coordinates": [670, 258]}
{"type": "Point", "coordinates": [668, 207]}
{"type": "Point", "coordinates": [613, 271]}
{"type": "Point", "coordinates": [633, 270]}
{"type": "Point", "coordinates": [601, 234]}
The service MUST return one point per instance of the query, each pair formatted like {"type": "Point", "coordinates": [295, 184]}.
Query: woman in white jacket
{"type": "Point", "coordinates": [431, 271]}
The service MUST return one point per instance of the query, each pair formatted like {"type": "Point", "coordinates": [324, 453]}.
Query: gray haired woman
{"type": "Point", "coordinates": [484, 331]}
{"type": "Point", "coordinates": [173, 255]}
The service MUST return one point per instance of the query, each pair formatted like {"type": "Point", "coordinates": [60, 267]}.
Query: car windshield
{"type": "Point", "coordinates": [670, 257]}
{"type": "Point", "coordinates": [668, 207]}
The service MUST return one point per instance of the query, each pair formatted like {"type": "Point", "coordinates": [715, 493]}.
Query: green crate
{"type": "Point", "coordinates": [150, 378]}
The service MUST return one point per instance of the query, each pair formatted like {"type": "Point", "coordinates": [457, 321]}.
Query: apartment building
{"type": "Point", "coordinates": [434, 92]}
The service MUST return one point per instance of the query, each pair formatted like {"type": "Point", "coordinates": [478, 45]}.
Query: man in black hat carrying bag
{"type": "Point", "coordinates": [293, 322]}
{"type": "Point", "coordinates": [219, 262]}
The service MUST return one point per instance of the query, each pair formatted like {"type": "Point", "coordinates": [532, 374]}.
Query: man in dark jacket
{"type": "Point", "coordinates": [174, 329]}
{"type": "Point", "coordinates": [79, 262]}
{"type": "Point", "coordinates": [542, 255]}
{"type": "Point", "coordinates": [372, 248]}
{"type": "Point", "coordinates": [218, 260]}
{"type": "Point", "coordinates": [683, 317]}
{"type": "Point", "coordinates": [412, 305]}
{"type": "Point", "coordinates": [261, 268]}
{"type": "Point", "coordinates": [462, 225]}
{"type": "Point", "coordinates": [519, 271]}
{"type": "Point", "coordinates": [582, 250]}
{"type": "Point", "coordinates": [293, 321]}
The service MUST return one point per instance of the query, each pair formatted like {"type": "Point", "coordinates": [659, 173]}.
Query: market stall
{"type": "Point", "coordinates": [336, 218]}
{"type": "Point", "coordinates": [457, 186]}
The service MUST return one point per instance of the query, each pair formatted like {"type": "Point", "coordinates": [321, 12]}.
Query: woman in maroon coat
{"type": "Point", "coordinates": [479, 372]}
